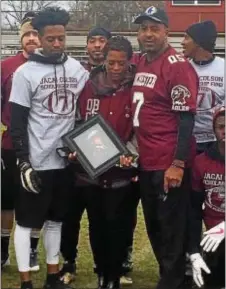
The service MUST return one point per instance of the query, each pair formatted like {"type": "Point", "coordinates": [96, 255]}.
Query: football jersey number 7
{"type": "Point", "coordinates": [138, 97]}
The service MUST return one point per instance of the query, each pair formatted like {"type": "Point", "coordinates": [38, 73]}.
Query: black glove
{"type": "Point", "coordinates": [29, 178]}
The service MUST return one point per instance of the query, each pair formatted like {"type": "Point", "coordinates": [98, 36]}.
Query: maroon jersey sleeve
{"type": "Point", "coordinates": [197, 178]}
{"type": "Point", "coordinates": [182, 83]}
{"type": "Point", "coordinates": [82, 101]}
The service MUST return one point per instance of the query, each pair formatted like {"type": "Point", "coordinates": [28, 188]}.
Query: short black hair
{"type": "Point", "coordinates": [50, 16]}
{"type": "Point", "coordinates": [119, 43]}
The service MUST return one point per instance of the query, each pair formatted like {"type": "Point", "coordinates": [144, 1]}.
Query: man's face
{"type": "Point", "coordinates": [189, 46]}
{"type": "Point", "coordinates": [30, 42]}
{"type": "Point", "coordinates": [220, 129]}
{"type": "Point", "coordinates": [116, 65]}
{"type": "Point", "coordinates": [152, 36]}
{"type": "Point", "coordinates": [53, 39]}
{"type": "Point", "coordinates": [95, 46]}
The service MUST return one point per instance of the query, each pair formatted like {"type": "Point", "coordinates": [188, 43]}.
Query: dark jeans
{"type": "Point", "coordinates": [166, 223]}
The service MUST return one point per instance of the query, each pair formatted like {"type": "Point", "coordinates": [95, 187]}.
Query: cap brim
{"type": "Point", "coordinates": [142, 18]}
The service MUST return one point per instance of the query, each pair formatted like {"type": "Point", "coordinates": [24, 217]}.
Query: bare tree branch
{"type": "Point", "coordinates": [17, 9]}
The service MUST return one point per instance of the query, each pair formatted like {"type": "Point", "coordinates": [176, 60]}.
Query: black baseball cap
{"type": "Point", "coordinates": [154, 14]}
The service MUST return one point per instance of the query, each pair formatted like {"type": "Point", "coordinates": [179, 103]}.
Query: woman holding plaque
{"type": "Point", "coordinates": [108, 93]}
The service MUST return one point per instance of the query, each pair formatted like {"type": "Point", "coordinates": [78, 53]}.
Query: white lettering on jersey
{"type": "Point", "coordinates": [145, 79]}
{"type": "Point", "coordinates": [215, 198]}
{"type": "Point", "coordinates": [179, 94]}
{"type": "Point", "coordinates": [138, 98]}
{"type": "Point", "coordinates": [92, 107]}
{"type": "Point", "coordinates": [176, 58]}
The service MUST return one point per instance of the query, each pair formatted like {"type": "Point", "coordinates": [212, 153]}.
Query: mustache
{"type": "Point", "coordinates": [31, 43]}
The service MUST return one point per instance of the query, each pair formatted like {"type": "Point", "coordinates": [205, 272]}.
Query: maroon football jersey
{"type": "Point", "coordinates": [161, 89]}
{"type": "Point", "coordinates": [209, 175]}
{"type": "Point", "coordinates": [9, 66]}
{"type": "Point", "coordinates": [115, 109]}
{"type": "Point", "coordinates": [136, 58]}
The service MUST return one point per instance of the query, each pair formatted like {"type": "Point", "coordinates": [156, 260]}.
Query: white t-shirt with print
{"type": "Point", "coordinates": [51, 93]}
{"type": "Point", "coordinates": [211, 95]}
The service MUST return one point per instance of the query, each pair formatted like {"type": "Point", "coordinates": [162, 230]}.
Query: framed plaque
{"type": "Point", "coordinates": [97, 145]}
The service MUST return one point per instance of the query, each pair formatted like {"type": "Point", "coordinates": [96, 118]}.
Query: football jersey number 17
{"type": "Point", "coordinates": [138, 98]}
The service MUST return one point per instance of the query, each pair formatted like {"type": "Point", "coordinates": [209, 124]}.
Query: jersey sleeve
{"type": "Point", "coordinates": [21, 92]}
{"type": "Point", "coordinates": [197, 178]}
{"type": "Point", "coordinates": [182, 84]}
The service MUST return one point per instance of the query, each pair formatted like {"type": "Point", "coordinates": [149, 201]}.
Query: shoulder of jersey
{"type": "Point", "coordinates": [175, 57]}
{"type": "Point", "coordinates": [200, 157]}
{"type": "Point", "coordinates": [9, 60]}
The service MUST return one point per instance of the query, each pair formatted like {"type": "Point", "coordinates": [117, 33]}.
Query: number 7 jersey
{"type": "Point", "coordinates": [161, 89]}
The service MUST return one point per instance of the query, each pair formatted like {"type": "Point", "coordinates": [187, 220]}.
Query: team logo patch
{"type": "Point", "coordinates": [179, 95]}
{"type": "Point", "coordinates": [151, 10]}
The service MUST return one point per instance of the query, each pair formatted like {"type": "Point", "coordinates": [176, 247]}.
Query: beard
{"type": "Point", "coordinates": [97, 57]}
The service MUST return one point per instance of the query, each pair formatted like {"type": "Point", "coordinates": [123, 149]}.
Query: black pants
{"type": "Point", "coordinates": [109, 226]}
{"type": "Point", "coordinates": [51, 203]}
{"type": "Point", "coordinates": [166, 223]}
{"type": "Point", "coordinates": [132, 211]}
{"type": "Point", "coordinates": [216, 262]}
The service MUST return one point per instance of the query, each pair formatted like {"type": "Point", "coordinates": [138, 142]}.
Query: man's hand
{"type": "Point", "coordinates": [29, 178]}
{"type": "Point", "coordinates": [173, 178]}
{"type": "Point", "coordinates": [213, 238]}
{"type": "Point", "coordinates": [126, 161]}
{"type": "Point", "coordinates": [198, 264]}
{"type": "Point", "coordinates": [72, 156]}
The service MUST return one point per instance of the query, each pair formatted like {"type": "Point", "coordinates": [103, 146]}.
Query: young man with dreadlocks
{"type": "Point", "coordinates": [44, 99]}
{"type": "Point", "coordinates": [10, 173]}
{"type": "Point", "coordinates": [108, 92]}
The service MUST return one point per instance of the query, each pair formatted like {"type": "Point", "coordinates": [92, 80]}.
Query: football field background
{"type": "Point", "coordinates": [145, 272]}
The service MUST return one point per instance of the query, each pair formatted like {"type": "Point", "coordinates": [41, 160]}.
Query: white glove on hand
{"type": "Point", "coordinates": [2, 164]}
{"type": "Point", "coordinates": [198, 264]}
{"type": "Point", "coordinates": [29, 178]}
{"type": "Point", "coordinates": [213, 238]}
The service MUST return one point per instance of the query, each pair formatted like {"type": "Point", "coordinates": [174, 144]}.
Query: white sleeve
{"type": "Point", "coordinates": [21, 92]}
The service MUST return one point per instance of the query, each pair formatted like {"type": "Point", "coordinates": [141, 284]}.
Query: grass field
{"type": "Point", "coordinates": [145, 269]}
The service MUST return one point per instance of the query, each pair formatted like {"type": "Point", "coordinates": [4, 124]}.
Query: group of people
{"type": "Point", "coordinates": [167, 105]}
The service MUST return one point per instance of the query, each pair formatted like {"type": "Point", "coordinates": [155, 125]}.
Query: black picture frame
{"type": "Point", "coordinates": [96, 134]}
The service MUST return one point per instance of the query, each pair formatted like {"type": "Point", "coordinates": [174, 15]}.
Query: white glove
{"type": "Point", "coordinates": [29, 178]}
{"type": "Point", "coordinates": [198, 264]}
{"type": "Point", "coordinates": [2, 164]}
{"type": "Point", "coordinates": [213, 238]}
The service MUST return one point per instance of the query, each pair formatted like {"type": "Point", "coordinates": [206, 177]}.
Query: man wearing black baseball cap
{"type": "Point", "coordinates": [164, 101]}
{"type": "Point", "coordinates": [155, 14]}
